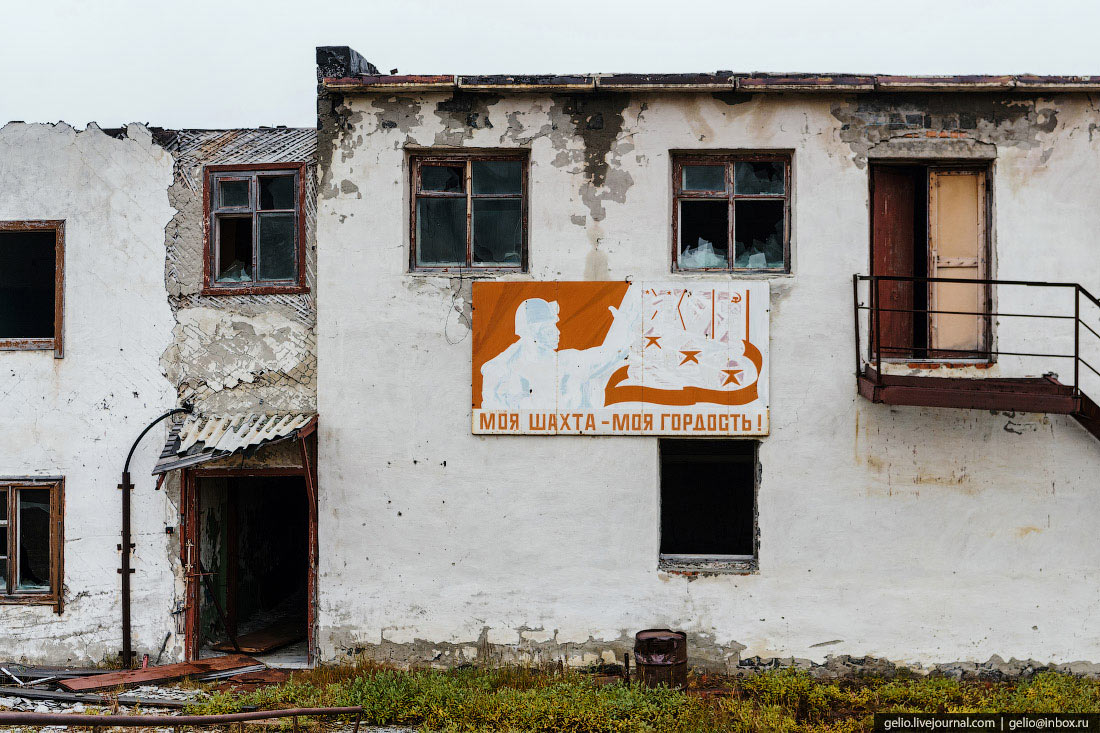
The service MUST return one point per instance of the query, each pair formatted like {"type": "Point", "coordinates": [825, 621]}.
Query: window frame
{"type": "Point", "coordinates": [55, 596]}
{"type": "Point", "coordinates": [728, 159]}
{"type": "Point", "coordinates": [211, 205]}
{"type": "Point", "coordinates": [713, 563]}
{"type": "Point", "coordinates": [56, 343]}
{"type": "Point", "coordinates": [466, 159]}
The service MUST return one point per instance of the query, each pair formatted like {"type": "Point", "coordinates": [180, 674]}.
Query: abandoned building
{"type": "Point", "coordinates": [512, 367]}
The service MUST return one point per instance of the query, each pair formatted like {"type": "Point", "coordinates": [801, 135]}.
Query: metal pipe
{"type": "Point", "coordinates": [127, 545]}
{"type": "Point", "coordinates": [105, 721]}
{"type": "Point", "coordinates": [1077, 341]}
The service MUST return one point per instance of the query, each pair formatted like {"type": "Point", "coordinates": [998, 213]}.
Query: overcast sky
{"type": "Point", "coordinates": [244, 63]}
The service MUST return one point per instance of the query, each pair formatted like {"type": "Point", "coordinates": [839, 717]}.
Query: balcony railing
{"type": "Point", "coordinates": [1032, 330]}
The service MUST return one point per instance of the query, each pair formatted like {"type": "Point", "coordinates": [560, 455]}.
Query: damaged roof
{"type": "Point", "coordinates": [199, 439]}
{"type": "Point", "coordinates": [709, 82]}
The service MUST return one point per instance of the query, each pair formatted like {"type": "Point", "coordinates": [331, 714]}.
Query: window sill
{"type": "Point", "coordinates": [736, 274]}
{"type": "Point", "coordinates": [31, 345]}
{"type": "Point", "coordinates": [256, 290]}
{"type": "Point", "coordinates": [468, 273]}
{"type": "Point", "coordinates": [30, 599]}
{"type": "Point", "coordinates": [701, 566]}
{"type": "Point", "coordinates": [26, 344]}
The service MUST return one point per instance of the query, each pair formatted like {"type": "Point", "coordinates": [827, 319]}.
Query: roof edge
{"type": "Point", "coordinates": [707, 82]}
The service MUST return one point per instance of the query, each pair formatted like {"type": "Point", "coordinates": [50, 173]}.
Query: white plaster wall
{"type": "Point", "coordinates": [78, 416]}
{"type": "Point", "coordinates": [918, 535]}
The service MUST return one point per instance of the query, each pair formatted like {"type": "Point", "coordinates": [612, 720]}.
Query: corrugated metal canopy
{"type": "Point", "coordinates": [199, 439]}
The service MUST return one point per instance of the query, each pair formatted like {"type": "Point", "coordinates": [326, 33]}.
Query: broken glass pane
{"type": "Point", "coordinates": [704, 178]}
{"type": "Point", "coordinates": [276, 260]}
{"type": "Point", "coordinates": [277, 192]}
{"type": "Point", "coordinates": [497, 176]}
{"type": "Point", "coordinates": [33, 559]}
{"type": "Point", "coordinates": [232, 194]}
{"type": "Point", "coordinates": [757, 178]}
{"type": "Point", "coordinates": [704, 234]}
{"type": "Point", "coordinates": [234, 249]}
{"type": "Point", "coordinates": [441, 231]}
{"type": "Point", "coordinates": [447, 178]}
{"type": "Point", "coordinates": [498, 231]}
{"type": "Point", "coordinates": [758, 232]}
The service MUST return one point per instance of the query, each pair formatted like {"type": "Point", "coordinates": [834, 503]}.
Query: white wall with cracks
{"type": "Point", "coordinates": [77, 416]}
{"type": "Point", "coordinates": [908, 534]}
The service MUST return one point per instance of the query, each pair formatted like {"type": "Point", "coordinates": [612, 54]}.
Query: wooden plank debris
{"type": "Point", "coordinates": [163, 673]}
{"type": "Point", "coordinates": [267, 639]}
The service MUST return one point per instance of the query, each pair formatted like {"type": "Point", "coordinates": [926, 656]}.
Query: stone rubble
{"type": "Point", "coordinates": [152, 692]}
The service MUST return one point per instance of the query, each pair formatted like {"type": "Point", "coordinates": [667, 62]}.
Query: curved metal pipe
{"type": "Point", "coordinates": [127, 546]}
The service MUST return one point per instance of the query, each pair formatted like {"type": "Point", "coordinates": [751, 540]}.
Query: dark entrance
{"type": "Point", "coordinates": [252, 580]}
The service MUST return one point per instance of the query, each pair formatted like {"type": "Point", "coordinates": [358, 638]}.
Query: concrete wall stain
{"type": "Point", "coordinates": [1014, 120]}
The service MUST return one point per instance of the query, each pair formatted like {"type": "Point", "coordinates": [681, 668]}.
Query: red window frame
{"type": "Point", "coordinates": [57, 342]}
{"type": "Point", "coordinates": [55, 595]}
{"type": "Point", "coordinates": [728, 160]}
{"type": "Point", "coordinates": [213, 173]}
{"type": "Point", "coordinates": [466, 160]}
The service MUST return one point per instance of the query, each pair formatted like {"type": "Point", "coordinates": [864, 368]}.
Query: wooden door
{"type": "Point", "coordinates": [957, 249]}
{"type": "Point", "coordinates": [893, 193]}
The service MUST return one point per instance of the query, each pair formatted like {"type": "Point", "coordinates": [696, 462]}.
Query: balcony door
{"type": "Point", "coordinates": [930, 222]}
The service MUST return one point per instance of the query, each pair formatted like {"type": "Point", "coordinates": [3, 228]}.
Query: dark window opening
{"type": "Point", "coordinates": [28, 284]}
{"type": "Point", "coordinates": [234, 249]}
{"type": "Point", "coordinates": [704, 228]}
{"type": "Point", "coordinates": [708, 498]}
{"type": "Point", "coordinates": [469, 212]}
{"type": "Point", "coordinates": [738, 201]}
{"type": "Point", "coordinates": [256, 229]}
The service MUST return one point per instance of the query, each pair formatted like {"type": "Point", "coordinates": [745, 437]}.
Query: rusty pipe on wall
{"type": "Point", "coordinates": [127, 545]}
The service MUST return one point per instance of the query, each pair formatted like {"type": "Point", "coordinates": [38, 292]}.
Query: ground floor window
{"type": "Point", "coordinates": [708, 503]}
{"type": "Point", "coordinates": [30, 541]}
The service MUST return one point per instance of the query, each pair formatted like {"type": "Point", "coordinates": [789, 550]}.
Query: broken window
{"type": "Point", "coordinates": [469, 211]}
{"type": "Point", "coordinates": [708, 499]}
{"type": "Point", "coordinates": [31, 267]}
{"type": "Point", "coordinates": [30, 541]}
{"type": "Point", "coordinates": [732, 213]}
{"type": "Point", "coordinates": [256, 228]}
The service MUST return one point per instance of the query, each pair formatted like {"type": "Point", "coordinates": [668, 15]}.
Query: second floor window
{"type": "Point", "coordinates": [255, 233]}
{"type": "Point", "coordinates": [32, 255]}
{"type": "Point", "coordinates": [732, 212]}
{"type": "Point", "coordinates": [469, 211]}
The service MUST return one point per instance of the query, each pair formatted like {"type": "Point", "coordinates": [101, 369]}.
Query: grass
{"type": "Point", "coordinates": [521, 699]}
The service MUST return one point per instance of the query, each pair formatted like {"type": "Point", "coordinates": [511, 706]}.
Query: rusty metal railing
{"type": "Point", "coordinates": [912, 351]}
{"type": "Point", "coordinates": [172, 721]}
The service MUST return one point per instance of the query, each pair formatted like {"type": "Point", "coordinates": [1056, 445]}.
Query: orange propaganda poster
{"type": "Point", "coordinates": [618, 358]}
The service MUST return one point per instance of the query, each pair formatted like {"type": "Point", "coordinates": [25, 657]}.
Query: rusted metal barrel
{"type": "Point", "coordinates": [660, 656]}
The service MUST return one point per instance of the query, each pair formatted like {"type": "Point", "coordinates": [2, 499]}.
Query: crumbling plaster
{"type": "Point", "coordinates": [237, 354]}
{"type": "Point", "coordinates": [77, 417]}
{"type": "Point", "coordinates": [915, 535]}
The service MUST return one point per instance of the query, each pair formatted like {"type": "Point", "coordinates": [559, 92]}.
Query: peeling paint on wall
{"type": "Point", "coordinates": [234, 354]}
{"type": "Point", "coordinates": [1012, 120]}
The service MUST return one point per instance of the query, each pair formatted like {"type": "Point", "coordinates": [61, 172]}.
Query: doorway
{"type": "Point", "coordinates": [249, 582]}
{"type": "Point", "coordinates": [931, 221]}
